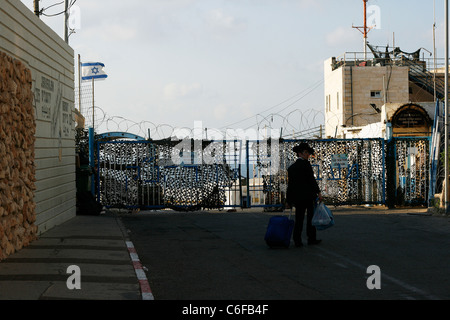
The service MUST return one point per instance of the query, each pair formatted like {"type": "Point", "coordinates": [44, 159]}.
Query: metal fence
{"type": "Point", "coordinates": [168, 174]}
{"type": "Point", "coordinates": [412, 170]}
{"type": "Point", "coordinates": [196, 174]}
{"type": "Point", "coordinates": [347, 171]}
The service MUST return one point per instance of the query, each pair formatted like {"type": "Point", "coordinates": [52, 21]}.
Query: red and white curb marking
{"type": "Point", "coordinates": [146, 291]}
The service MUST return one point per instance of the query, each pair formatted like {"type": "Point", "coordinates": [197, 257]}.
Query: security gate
{"type": "Point", "coordinates": [183, 175]}
{"type": "Point", "coordinates": [195, 174]}
{"type": "Point", "coordinates": [347, 171]}
{"type": "Point", "coordinates": [412, 170]}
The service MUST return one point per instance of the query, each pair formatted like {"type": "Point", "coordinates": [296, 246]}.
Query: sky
{"type": "Point", "coordinates": [228, 64]}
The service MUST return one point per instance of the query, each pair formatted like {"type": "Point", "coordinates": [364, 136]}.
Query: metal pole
{"type": "Point", "coordinates": [247, 163]}
{"type": "Point", "coordinates": [92, 157]}
{"type": "Point", "coordinates": [446, 108]}
{"type": "Point", "coordinates": [365, 30]}
{"type": "Point", "coordinates": [93, 109]}
{"type": "Point", "coordinates": [66, 18]}
{"type": "Point", "coordinates": [36, 8]}
{"type": "Point", "coordinates": [434, 49]}
{"type": "Point", "coordinates": [79, 84]}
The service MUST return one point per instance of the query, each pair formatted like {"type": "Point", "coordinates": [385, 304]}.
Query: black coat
{"type": "Point", "coordinates": [302, 185]}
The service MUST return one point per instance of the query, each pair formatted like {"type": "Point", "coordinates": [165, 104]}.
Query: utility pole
{"type": "Point", "coordinates": [365, 29]}
{"type": "Point", "coordinates": [66, 18]}
{"type": "Point", "coordinates": [36, 8]}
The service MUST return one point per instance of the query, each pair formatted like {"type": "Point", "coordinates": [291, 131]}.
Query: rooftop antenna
{"type": "Point", "coordinates": [365, 29]}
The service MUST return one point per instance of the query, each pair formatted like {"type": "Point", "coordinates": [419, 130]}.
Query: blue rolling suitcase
{"type": "Point", "coordinates": [279, 231]}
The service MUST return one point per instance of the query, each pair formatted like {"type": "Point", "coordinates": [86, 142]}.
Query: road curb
{"type": "Point", "coordinates": [146, 291]}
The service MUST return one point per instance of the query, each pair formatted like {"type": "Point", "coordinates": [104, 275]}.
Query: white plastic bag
{"type": "Point", "coordinates": [322, 218]}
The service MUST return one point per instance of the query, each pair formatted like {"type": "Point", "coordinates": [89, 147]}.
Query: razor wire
{"type": "Point", "coordinates": [307, 123]}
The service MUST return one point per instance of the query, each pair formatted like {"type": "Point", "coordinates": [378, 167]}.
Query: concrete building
{"type": "Point", "coordinates": [364, 98]}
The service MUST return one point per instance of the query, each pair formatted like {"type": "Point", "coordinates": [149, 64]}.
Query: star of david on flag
{"type": "Point", "coordinates": [93, 70]}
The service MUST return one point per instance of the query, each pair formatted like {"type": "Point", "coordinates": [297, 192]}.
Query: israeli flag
{"type": "Point", "coordinates": [93, 70]}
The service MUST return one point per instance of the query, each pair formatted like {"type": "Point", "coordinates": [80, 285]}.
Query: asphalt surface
{"type": "Point", "coordinates": [222, 256]}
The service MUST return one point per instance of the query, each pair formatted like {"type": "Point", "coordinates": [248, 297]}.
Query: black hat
{"type": "Point", "coordinates": [302, 147]}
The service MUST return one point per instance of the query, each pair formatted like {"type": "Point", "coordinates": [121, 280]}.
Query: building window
{"type": "Point", "coordinates": [375, 94]}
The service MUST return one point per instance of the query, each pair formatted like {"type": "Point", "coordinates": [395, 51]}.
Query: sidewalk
{"type": "Point", "coordinates": [109, 268]}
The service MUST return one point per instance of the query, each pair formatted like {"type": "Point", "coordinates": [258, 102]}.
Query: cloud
{"type": "Point", "coordinates": [120, 31]}
{"type": "Point", "coordinates": [342, 36]}
{"type": "Point", "coordinates": [222, 23]}
{"type": "Point", "coordinates": [220, 112]}
{"type": "Point", "coordinates": [306, 4]}
{"type": "Point", "coordinates": [111, 31]}
{"type": "Point", "coordinates": [176, 90]}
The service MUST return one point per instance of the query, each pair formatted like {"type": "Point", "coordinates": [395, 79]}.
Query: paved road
{"type": "Point", "coordinates": [222, 256]}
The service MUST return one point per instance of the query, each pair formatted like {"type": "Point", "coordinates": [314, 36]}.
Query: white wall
{"type": "Point", "coordinates": [333, 88]}
{"type": "Point", "coordinates": [51, 61]}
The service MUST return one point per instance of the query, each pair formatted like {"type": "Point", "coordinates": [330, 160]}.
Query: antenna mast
{"type": "Point", "coordinates": [365, 29]}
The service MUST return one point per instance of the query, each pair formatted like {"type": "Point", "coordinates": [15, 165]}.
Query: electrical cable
{"type": "Point", "coordinates": [278, 104]}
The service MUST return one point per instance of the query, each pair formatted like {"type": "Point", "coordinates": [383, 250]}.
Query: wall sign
{"type": "Point", "coordinates": [410, 116]}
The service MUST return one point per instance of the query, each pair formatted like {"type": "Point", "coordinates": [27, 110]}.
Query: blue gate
{"type": "Point", "coordinates": [347, 171]}
{"type": "Point", "coordinates": [198, 174]}
{"type": "Point", "coordinates": [412, 170]}
{"type": "Point", "coordinates": [182, 175]}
